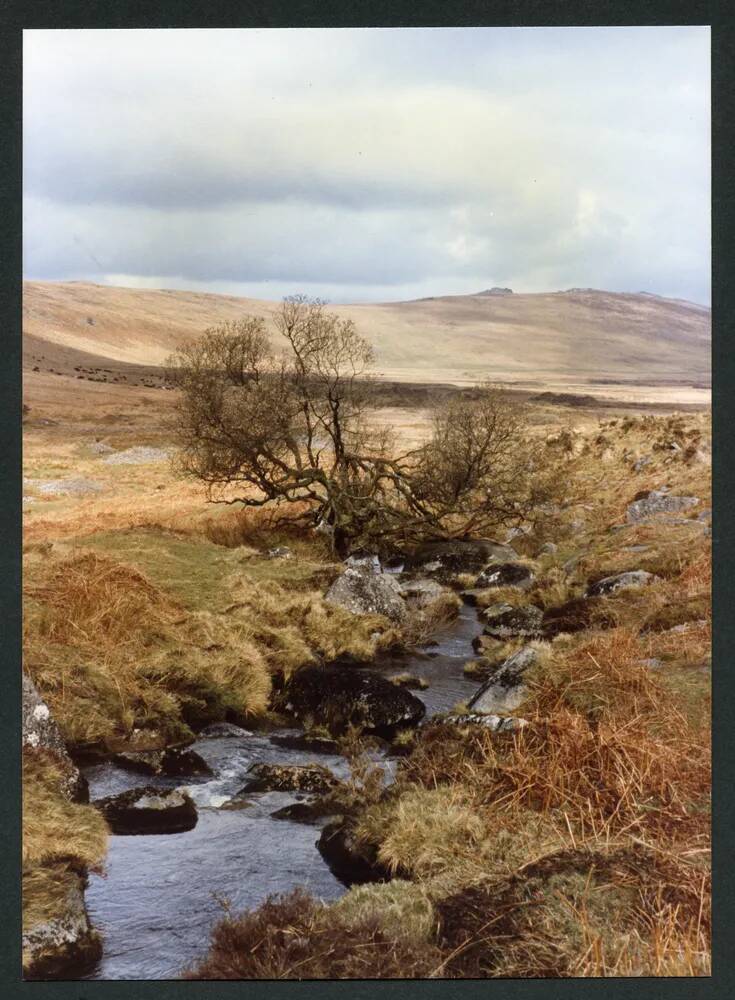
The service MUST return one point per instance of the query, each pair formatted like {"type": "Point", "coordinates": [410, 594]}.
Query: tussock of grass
{"type": "Point", "coordinates": [581, 913]}
{"type": "Point", "coordinates": [53, 827]}
{"type": "Point", "coordinates": [296, 937]}
{"type": "Point", "coordinates": [112, 652]}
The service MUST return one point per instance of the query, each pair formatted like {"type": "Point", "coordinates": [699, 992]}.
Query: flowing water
{"type": "Point", "coordinates": [160, 895]}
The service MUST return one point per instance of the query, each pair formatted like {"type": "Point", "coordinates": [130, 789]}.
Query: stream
{"type": "Point", "coordinates": [161, 895]}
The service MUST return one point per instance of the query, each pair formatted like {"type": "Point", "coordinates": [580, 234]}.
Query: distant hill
{"type": "Point", "coordinates": [581, 334]}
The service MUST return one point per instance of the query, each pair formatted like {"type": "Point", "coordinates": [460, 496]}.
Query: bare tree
{"type": "Point", "coordinates": [294, 428]}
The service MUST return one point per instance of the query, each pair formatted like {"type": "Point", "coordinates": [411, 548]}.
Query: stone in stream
{"type": "Point", "coordinates": [314, 812]}
{"type": "Point", "coordinates": [220, 730]}
{"type": "Point", "coordinates": [337, 698]}
{"type": "Point", "coordinates": [350, 861]}
{"type": "Point", "coordinates": [149, 810]}
{"type": "Point", "coordinates": [173, 761]}
{"type": "Point", "coordinates": [504, 621]}
{"type": "Point", "coordinates": [504, 689]}
{"type": "Point", "coordinates": [264, 777]}
{"type": "Point", "coordinates": [363, 592]}
{"type": "Point", "coordinates": [618, 581]}
{"type": "Point", "coordinates": [509, 574]}
{"type": "Point", "coordinates": [307, 741]}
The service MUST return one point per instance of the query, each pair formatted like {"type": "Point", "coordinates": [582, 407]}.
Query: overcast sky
{"type": "Point", "coordinates": [370, 164]}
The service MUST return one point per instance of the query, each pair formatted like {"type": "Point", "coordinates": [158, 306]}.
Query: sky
{"type": "Point", "coordinates": [364, 165]}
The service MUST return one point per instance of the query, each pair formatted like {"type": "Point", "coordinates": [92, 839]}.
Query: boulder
{"type": "Point", "coordinates": [174, 761]}
{"type": "Point", "coordinates": [611, 584]}
{"type": "Point", "coordinates": [149, 810]}
{"type": "Point", "coordinates": [338, 697]}
{"type": "Point", "coordinates": [654, 502]}
{"type": "Point", "coordinates": [420, 593]}
{"type": "Point", "coordinates": [280, 552]}
{"type": "Point", "coordinates": [65, 945]}
{"type": "Point", "coordinates": [315, 811]}
{"type": "Point", "coordinates": [369, 563]}
{"type": "Point", "coordinates": [351, 862]}
{"type": "Point", "coordinates": [363, 592]}
{"type": "Point", "coordinates": [308, 742]}
{"type": "Point", "coordinates": [509, 574]}
{"type": "Point", "coordinates": [221, 730]}
{"type": "Point", "coordinates": [495, 723]}
{"type": "Point", "coordinates": [289, 778]}
{"type": "Point", "coordinates": [445, 560]}
{"type": "Point", "coordinates": [504, 690]}
{"type": "Point", "coordinates": [39, 730]}
{"type": "Point", "coordinates": [504, 621]}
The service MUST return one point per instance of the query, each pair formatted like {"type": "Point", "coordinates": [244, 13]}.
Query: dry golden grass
{"type": "Point", "coordinates": [55, 829]}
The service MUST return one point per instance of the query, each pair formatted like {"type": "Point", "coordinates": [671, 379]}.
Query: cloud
{"type": "Point", "coordinates": [370, 160]}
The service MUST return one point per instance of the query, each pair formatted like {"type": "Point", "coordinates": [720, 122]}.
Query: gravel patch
{"type": "Point", "coordinates": [137, 456]}
{"type": "Point", "coordinates": [69, 487]}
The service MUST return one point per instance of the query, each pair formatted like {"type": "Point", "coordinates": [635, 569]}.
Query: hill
{"type": "Point", "coordinates": [554, 338]}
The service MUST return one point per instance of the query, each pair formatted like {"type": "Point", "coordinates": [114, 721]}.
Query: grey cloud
{"type": "Point", "coordinates": [418, 161]}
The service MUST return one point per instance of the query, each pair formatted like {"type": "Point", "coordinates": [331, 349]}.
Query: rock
{"type": "Point", "coordinates": [289, 778]}
{"type": "Point", "coordinates": [576, 615]}
{"type": "Point", "coordinates": [571, 564]}
{"type": "Point", "coordinates": [548, 549]}
{"type": "Point", "coordinates": [351, 862]}
{"type": "Point", "coordinates": [409, 681]}
{"type": "Point", "coordinates": [280, 552]}
{"type": "Point", "coordinates": [420, 593]}
{"type": "Point", "coordinates": [173, 761]}
{"type": "Point", "coordinates": [339, 697]}
{"type": "Point", "coordinates": [149, 810]}
{"type": "Point", "coordinates": [445, 560]}
{"type": "Point", "coordinates": [308, 812]}
{"type": "Point", "coordinates": [305, 741]}
{"type": "Point", "coordinates": [505, 621]}
{"type": "Point", "coordinates": [505, 575]}
{"type": "Point", "coordinates": [611, 584]}
{"type": "Point", "coordinates": [363, 592]}
{"type": "Point", "coordinates": [641, 463]}
{"type": "Point", "coordinates": [66, 945]}
{"type": "Point", "coordinates": [504, 690]}
{"type": "Point", "coordinates": [654, 502]}
{"type": "Point", "coordinates": [39, 730]}
{"type": "Point", "coordinates": [495, 723]}
{"type": "Point", "coordinates": [369, 563]}
{"type": "Point", "coordinates": [219, 730]}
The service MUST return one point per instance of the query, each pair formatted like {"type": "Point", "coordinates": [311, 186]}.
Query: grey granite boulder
{"type": "Point", "coordinates": [507, 574]}
{"type": "Point", "coordinates": [338, 697]}
{"type": "Point", "coordinates": [363, 592]}
{"type": "Point", "coordinates": [618, 581]}
{"type": "Point", "coordinates": [504, 621]}
{"type": "Point", "coordinates": [504, 689]}
{"type": "Point", "coordinates": [656, 502]}
{"type": "Point", "coordinates": [39, 731]}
